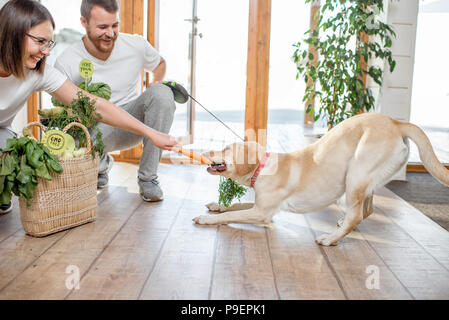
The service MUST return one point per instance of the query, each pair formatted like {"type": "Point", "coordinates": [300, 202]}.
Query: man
{"type": "Point", "coordinates": [118, 60]}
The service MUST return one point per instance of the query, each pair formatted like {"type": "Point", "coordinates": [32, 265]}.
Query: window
{"type": "Point", "coordinates": [430, 97]}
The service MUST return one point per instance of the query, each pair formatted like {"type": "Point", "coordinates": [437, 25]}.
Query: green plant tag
{"type": "Point", "coordinates": [55, 141]}
{"type": "Point", "coordinates": [86, 68]}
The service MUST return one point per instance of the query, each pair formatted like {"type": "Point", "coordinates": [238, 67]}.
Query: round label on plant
{"type": "Point", "coordinates": [55, 141]}
{"type": "Point", "coordinates": [86, 68]}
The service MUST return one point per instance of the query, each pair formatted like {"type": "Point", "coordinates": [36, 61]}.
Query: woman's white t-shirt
{"type": "Point", "coordinates": [14, 92]}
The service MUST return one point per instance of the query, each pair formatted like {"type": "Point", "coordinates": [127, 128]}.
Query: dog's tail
{"type": "Point", "coordinates": [426, 153]}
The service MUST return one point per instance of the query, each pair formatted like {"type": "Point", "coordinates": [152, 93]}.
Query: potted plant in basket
{"type": "Point", "coordinates": [335, 74]}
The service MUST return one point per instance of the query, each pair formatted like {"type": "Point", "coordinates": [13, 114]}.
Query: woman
{"type": "Point", "coordinates": [26, 32]}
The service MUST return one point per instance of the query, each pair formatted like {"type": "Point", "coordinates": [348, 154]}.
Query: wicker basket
{"type": "Point", "coordinates": [69, 200]}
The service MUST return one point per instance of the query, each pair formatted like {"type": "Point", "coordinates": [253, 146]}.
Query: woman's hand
{"type": "Point", "coordinates": [165, 142]}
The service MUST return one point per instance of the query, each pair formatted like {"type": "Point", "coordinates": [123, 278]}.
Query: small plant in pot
{"type": "Point", "coordinates": [333, 60]}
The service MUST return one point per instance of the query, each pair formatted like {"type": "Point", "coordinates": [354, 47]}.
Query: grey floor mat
{"type": "Point", "coordinates": [426, 194]}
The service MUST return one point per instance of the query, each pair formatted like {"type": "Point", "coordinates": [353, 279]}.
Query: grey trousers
{"type": "Point", "coordinates": [5, 134]}
{"type": "Point", "coordinates": [155, 108]}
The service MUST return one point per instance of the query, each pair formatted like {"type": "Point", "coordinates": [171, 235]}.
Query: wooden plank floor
{"type": "Point", "coordinates": [138, 250]}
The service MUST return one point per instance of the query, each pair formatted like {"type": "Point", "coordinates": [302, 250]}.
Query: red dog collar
{"type": "Point", "coordinates": [259, 168]}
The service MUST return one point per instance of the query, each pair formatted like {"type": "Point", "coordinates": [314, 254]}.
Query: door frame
{"type": "Point", "coordinates": [132, 21]}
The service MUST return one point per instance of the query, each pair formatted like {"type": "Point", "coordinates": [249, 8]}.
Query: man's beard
{"type": "Point", "coordinates": [97, 42]}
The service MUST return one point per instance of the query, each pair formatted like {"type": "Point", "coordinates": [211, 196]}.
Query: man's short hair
{"type": "Point", "coordinates": [110, 6]}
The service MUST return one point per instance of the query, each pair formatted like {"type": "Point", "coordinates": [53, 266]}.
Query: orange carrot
{"type": "Point", "coordinates": [196, 156]}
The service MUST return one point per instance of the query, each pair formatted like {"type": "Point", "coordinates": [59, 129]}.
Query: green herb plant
{"type": "Point", "coordinates": [229, 190]}
{"type": "Point", "coordinates": [337, 71]}
{"type": "Point", "coordinates": [82, 111]}
{"type": "Point", "coordinates": [23, 161]}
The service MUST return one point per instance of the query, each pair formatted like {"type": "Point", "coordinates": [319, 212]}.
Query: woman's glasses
{"type": "Point", "coordinates": [44, 44]}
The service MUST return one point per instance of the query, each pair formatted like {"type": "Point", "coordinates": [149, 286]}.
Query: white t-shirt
{"type": "Point", "coordinates": [14, 92]}
{"type": "Point", "coordinates": [121, 71]}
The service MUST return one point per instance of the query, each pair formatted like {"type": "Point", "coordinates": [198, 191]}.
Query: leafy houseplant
{"type": "Point", "coordinates": [336, 74]}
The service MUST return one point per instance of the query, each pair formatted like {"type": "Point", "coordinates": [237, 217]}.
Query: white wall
{"type": "Point", "coordinates": [396, 90]}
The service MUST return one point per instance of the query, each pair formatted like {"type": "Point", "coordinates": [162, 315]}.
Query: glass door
{"type": "Point", "coordinates": [177, 44]}
{"type": "Point", "coordinates": [430, 97]}
{"type": "Point", "coordinates": [205, 43]}
{"type": "Point", "coordinates": [290, 19]}
{"type": "Point", "coordinates": [220, 72]}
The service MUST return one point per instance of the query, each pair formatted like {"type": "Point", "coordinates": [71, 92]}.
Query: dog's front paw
{"type": "Point", "coordinates": [325, 240]}
{"type": "Point", "coordinates": [213, 206]}
{"type": "Point", "coordinates": [204, 220]}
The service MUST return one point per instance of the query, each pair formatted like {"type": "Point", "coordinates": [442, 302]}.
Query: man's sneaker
{"type": "Point", "coordinates": [103, 178]}
{"type": "Point", "coordinates": [150, 190]}
{"type": "Point", "coordinates": [5, 208]}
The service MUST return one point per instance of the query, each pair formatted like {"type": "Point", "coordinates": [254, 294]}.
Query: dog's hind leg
{"type": "Point", "coordinates": [367, 209]}
{"type": "Point", "coordinates": [354, 215]}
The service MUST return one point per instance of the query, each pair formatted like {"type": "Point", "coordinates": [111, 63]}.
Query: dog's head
{"type": "Point", "coordinates": [237, 161]}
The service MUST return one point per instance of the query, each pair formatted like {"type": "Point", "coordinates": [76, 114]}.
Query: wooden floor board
{"type": "Point", "coordinates": [46, 277]}
{"type": "Point", "coordinates": [19, 251]}
{"type": "Point", "coordinates": [10, 223]}
{"type": "Point", "coordinates": [300, 268]}
{"type": "Point", "coordinates": [424, 276]}
{"type": "Point", "coordinates": [243, 268]}
{"type": "Point", "coordinates": [138, 250]}
{"type": "Point", "coordinates": [184, 267]}
{"type": "Point", "coordinates": [352, 258]}
{"type": "Point", "coordinates": [429, 234]}
{"type": "Point", "coordinates": [122, 269]}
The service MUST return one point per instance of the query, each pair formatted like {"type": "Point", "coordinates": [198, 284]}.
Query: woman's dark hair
{"type": "Point", "coordinates": [110, 6]}
{"type": "Point", "coordinates": [17, 17]}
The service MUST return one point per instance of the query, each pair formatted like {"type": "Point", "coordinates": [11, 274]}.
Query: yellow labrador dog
{"type": "Point", "coordinates": [355, 157]}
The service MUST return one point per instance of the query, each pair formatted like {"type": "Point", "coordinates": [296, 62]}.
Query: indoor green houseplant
{"type": "Point", "coordinates": [337, 73]}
